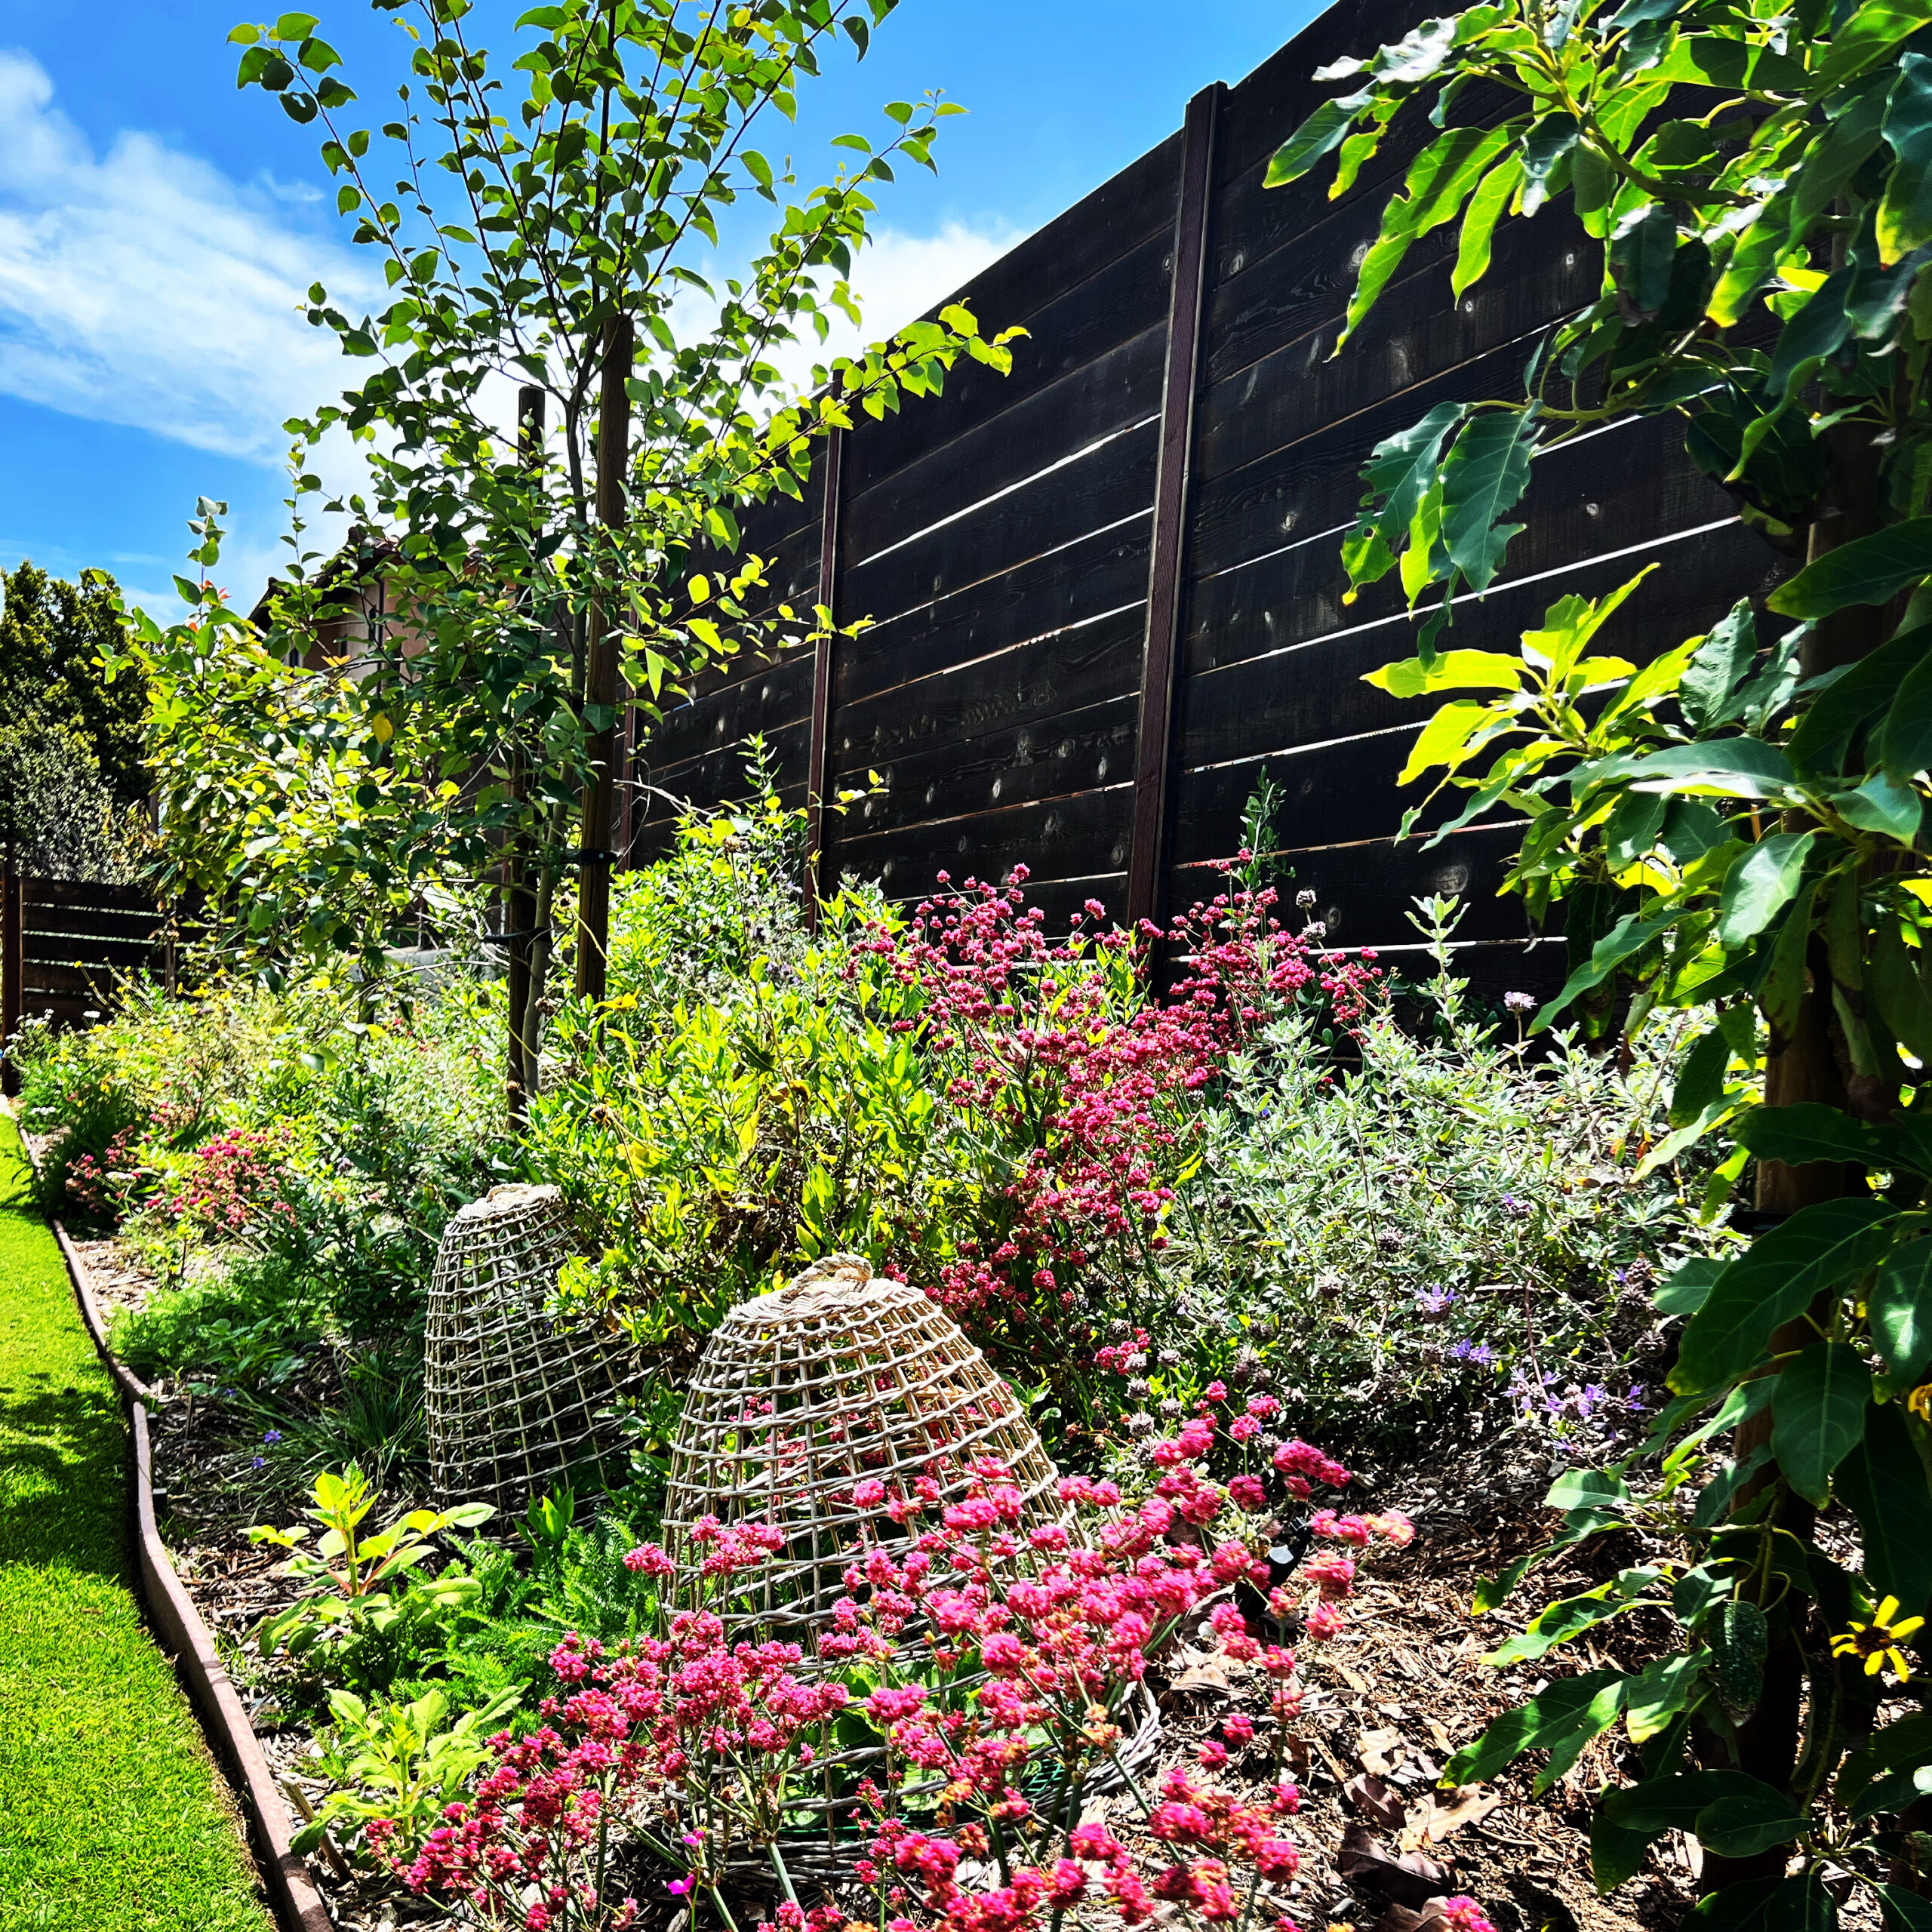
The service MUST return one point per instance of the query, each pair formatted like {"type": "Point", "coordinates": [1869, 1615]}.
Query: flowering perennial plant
{"type": "Point", "coordinates": [235, 1187]}
{"type": "Point", "coordinates": [996, 1670]}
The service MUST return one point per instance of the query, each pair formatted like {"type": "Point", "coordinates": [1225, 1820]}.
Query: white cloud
{"type": "Point", "coordinates": [144, 287]}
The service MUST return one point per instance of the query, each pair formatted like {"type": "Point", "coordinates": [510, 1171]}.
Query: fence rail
{"type": "Point", "coordinates": [63, 941]}
{"type": "Point", "coordinates": [1105, 592]}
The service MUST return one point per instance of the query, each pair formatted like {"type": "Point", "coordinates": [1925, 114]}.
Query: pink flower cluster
{"type": "Point", "coordinates": [103, 1187]}
{"type": "Point", "coordinates": [1075, 1082]}
{"type": "Point", "coordinates": [1004, 1661]}
{"type": "Point", "coordinates": [234, 1184]}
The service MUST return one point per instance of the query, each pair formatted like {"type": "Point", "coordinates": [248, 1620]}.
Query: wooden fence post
{"type": "Point", "coordinates": [1166, 584]}
{"type": "Point", "coordinates": [821, 724]}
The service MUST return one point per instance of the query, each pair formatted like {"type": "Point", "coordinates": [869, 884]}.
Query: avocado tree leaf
{"type": "Point", "coordinates": [1905, 213]}
{"type": "Point", "coordinates": [1899, 1306]}
{"type": "Point", "coordinates": [1817, 1415]}
{"type": "Point", "coordinates": [1717, 668]}
{"type": "Point", "coordinates": [1809, 1130]}
{"type": "Point", "coordinates": [1869, 569]}
{"type": "Point", "coordinates": [1566, 1716]}
{"type": "Point", "coordinates": [1884, 1482]}
{"type": "Point", "coordinates": [1743, 1823]}
{"type": "Point", "coordinates": [1483, 476]}
{"type": "Point", "coordinates": [1820, 1246]}
{"type": "Point", "coordinates": [1904, 740]}
{"type": "Point", "coordinates": [1761, 885]}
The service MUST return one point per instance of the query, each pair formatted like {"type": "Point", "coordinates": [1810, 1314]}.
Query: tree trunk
{"type": "Point", "coordinates": [1806, 1066]}
{"type": "Point", "coordinates": [593, 906]}
{"type": "Point", "coordinates": [519, 902]}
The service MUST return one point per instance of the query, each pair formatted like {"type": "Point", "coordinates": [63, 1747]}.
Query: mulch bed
{"type": "Point", "coordinates": [1385, 1704]}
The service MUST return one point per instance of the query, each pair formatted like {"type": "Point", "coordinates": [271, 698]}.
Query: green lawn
{"type": "Point", "coordinates": [112, 1816]}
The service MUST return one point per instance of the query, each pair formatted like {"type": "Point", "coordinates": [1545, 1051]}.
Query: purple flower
{"type": "Point", "coordinates": [1520, 1002]}
{"type": "Point", "coordinates": [1479, 1354]}
{"type": "Point", "coordinates": [272, 1436]}
{"type": "Point", "coordinates": [260, 1462]}
{"type": "Point", "coordinates": [678, 1888]}
{"type": "Point", "coordinates": [1435, 1301]}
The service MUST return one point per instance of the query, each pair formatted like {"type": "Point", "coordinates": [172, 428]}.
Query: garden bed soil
{"type": "Point", "coordinates": [1385, 1704]}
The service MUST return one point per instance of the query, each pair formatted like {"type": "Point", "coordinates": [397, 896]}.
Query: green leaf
{"type": "Point", "coordinates": [1836, 712]}
{"type": "Point", "coordinates": [1454, 670]}
{"type": "Point", "coordinates": [1700, 1082]}
{"type": "Point", "coordinates": [1631, 1816]}
{"type": "Point", "coordinates": [1743, 1823]}
{"type": "Point", "coordinates": [1818, 1414]}
{"type": "Point", "coordinates": [1864, 40]}
{"type": "Point", "coordinates": [1761, 885]}
{"type": "Point", "coordinates": [1716, 668]}
{"type": "Point", "coordinates": [1687, 1287]}
{"type": "Point", "coordinates": [1899, 1308]}
{"type": "Point", "coordinates": [1403, 467]}
{"type": "Point", "coordinates": [1904, 740]}
{"type": "Point", "coordinates": [1642, 254]}
{"type": "Point", "coordinates": [1904, 215]}
{"type": "Point", "coordinates": [1628, 936]}
{"type": "Point", "coordinates": [1897, 983]}
{"type": "Point", "coordinates": [1869, 569]}
{"type": "Point", "coordinates": [1323, 132]}
{"type": "Point", "coordinates": [1562, 1720]}
{"type": "Point", "coordinates": [1485, 209]}
{"type": "Point", "coordinates": [1820, 1246]}
{"type": "Point", "coordinates": [1809, 1130]}
{"type": "Point", "coordinates": [1885, 1482]}
{"type": "Point", "coordinates": [1903, 1911]}
{"type": "Point", "coordinates": [1719, 767]}
{"type": "Point", "coordinates": [1484, 476]}
{"type": "Point", "coordinates": [1781, 993]}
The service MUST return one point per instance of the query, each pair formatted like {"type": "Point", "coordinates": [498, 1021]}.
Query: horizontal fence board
{"type": "Point", "coordinates": [1047, 595]}
{"type": "Point", "coordinates": [1066, 753]}
{"type": "Point", "coordinates": [1073, 838]}
{"type": "Point", "coordinates": [1309, 695]}
{"type": "Point", "coordinates": [772, 697]}
{"type": "Point", "coordinates": [1023, 287]}
{"type": "Point", "coordinates": [1313, 484]}
{"type": "Point", "coordinates": [1029, 685]}
{"type": "Point", "coordinates": [1085, 497]}
{"type": "Point", "coordinates": [1599, 498]}
{"type": "Point", "coordinates": [1414, 332]}
{"type": "Point", "coordinates": [1127, 297]}
{"type": "Point", "coordinates": [128, 923]}
{"type": "Point", "coordinates": [42, 977]}
{"type": "Point", "coordinates": [1122, 388]}
{"type": "Point", "coordinates": [86, 894]}
{"type": "Point", "coordinates": [718, 776]}
{"type": "Point", "coordinates": [40, 949]}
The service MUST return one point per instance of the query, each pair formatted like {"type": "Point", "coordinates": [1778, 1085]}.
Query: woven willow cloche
{"type": "Point", "coordinates": [802, 1393]}
{"type": "Point", "coordinates": [518, 1403]}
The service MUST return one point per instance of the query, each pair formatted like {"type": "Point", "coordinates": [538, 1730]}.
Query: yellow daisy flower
{"type": "Point", "coordinates": [1878, 1642]}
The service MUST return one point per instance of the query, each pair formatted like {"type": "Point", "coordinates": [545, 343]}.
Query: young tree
{"type": "Point", "coordinates": [562, 411]}
{"type": "Point", "coordinates": [1737, 825]}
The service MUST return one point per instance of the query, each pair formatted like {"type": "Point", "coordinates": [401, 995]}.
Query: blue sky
{"type": "Point", "coordinates": [155, 226]}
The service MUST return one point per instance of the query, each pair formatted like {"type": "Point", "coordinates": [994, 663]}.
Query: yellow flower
{"type": "Point", "coordinates": [1878, 1642]}
{"type": "Point", "coordinates": [1920, 1402]}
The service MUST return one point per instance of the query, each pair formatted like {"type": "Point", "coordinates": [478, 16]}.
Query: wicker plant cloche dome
{"type": "Point", "coordinates": [518, 1403]}
{"type": "Point", "coordinates": [802, 1393]}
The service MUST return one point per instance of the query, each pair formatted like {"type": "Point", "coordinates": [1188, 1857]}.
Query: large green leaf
{"type": "Point", "coordinates": [1885, 1482]}
{"type": "Point", "coordinates": [1743, 1823]}
{"type": "Point", "coordinates": [1869, 569]}
{"type": "Point", "coordinates": [1864, 40]}
{"type": "Point", "coordinates": [1323, 132]}
{"type": "Point", "coordinates": [1892, 809]}
{"type": "Point", "coordinates": [1904, 215]}
{"type": "Point", "coordinates": [1700, 1080]}
{"type": "Point", "coordinates": [1761, 885]}
{"type": "Point", "coordinates": [1717, 667]}
{"type": "Point", "coordinates": [1627, 938]}
{"type": "Point", "coordinates": [1820, 1246]}
{"type": "Point", "coordinates": [1897, 983]}
{"type": "Point", "coordinates": [1903, 1911]}
{"type": "Point", "coordinates": [1485, 209]}
{"type": "Point", "coordinates": [1562, 1719]}
{"type": "Point", "coordinates": [1905, 740]}
{"type": "Point", "coordinates": [1484, 475]}
{"type": "Point", "coordinates": [1899, 1306]}
{"type": "Point", "coordinates": [1402, 469]}
{"type": "Point", "coordinates": [1719, 767]}
{"type": "Point", "coordinates": [1809, 1130]}
{"type": "Point", "coordinates": [1631, 1816]}
{"type": "Point", "coordinates": [1818, 1414]}
{"type": "Point", "coordinates": [1819, 742]}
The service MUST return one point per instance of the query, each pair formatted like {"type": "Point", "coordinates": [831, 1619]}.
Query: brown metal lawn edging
{"type": "Point", "coordinates": [298, 1906]}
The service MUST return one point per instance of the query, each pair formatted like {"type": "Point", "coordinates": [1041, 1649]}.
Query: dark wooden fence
{"type": "Point", "coordinates": [1105, 591]}
{"type": "Point", "coordinates": [62, 943]}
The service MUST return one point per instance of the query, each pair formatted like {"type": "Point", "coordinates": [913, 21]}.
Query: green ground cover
{"type": "Point", "coordinates": [112, 1814]}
